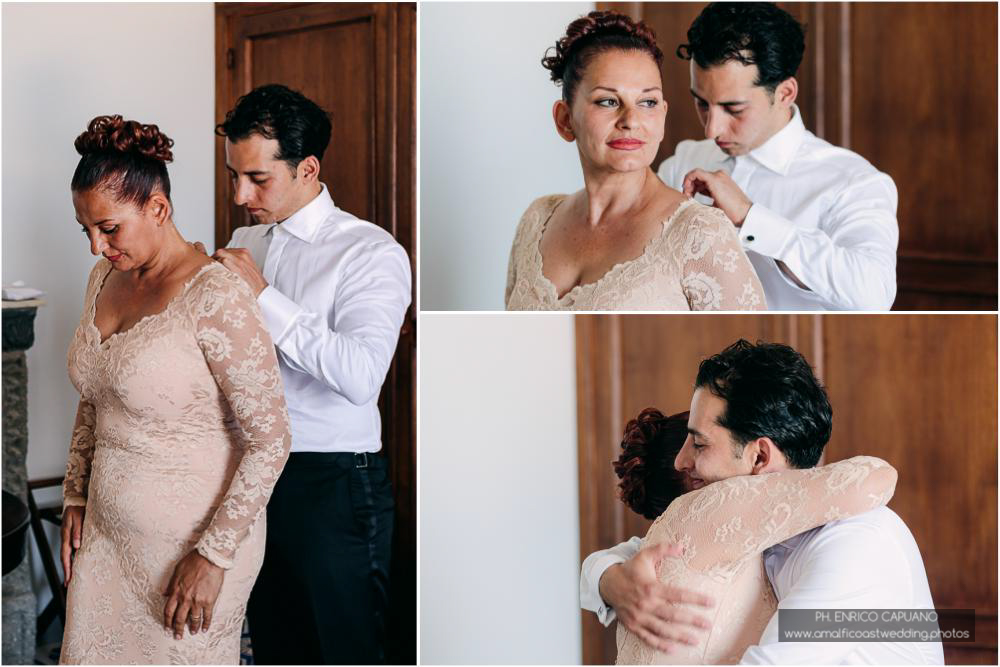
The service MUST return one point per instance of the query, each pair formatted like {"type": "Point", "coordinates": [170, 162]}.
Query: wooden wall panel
{"type": "Point", "coordinates": [917, 390]}
{"type": "Point", "coordinates": [921, 392]}
{"type": "Point", "coordinates": [912, 87]}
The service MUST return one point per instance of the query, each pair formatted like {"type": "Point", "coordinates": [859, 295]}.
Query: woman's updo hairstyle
{"type": "Point", "coordinates": [649, 481]}
{"type": "Point", "coordinates": [590, 35]}
{"type": "Point", "coordinates": [124, 157]}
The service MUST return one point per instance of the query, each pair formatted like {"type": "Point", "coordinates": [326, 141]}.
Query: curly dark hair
{"type": "Point", "coordinates": [299, 125]}
{"type": "Point", "coordinates": [124, 157]}
{"type": "Point", "coordinates": [590, 35]}
{"type": "Point", "coordinates": [770, 391]}
{"type": "Point", "coordinates": [752, 33]}
{"type": "Point", "coordinates": [649, 481]}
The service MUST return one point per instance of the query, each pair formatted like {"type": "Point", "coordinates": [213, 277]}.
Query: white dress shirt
{"type": "Point", "coordinates": [824, 211]}
{"type": "Point", "coordinates": [338, 289]}
{"type": "Point", "coordinates": [870, 561]}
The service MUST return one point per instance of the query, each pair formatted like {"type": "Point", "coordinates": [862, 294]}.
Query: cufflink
{"type": "Point", "coordinates": [750, 238]}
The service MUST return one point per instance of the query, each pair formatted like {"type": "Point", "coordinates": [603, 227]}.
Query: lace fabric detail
{"type": "Point", "coordinates": [724, 529]}
{"type": "Point", "coordinates": [695, 263]}
{"type": "Point", "coordinates": [180, 436]}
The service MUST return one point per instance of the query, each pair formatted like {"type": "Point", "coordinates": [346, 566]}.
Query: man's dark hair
{"type": "Point", "coordinates": [752, 33]}
{"type": "Point", "coordinates": [770, 391]}
{"type": "Point", "coordinates": [299, 125]}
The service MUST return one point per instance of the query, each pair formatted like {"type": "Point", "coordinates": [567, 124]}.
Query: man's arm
{"type": "Point", "coordinates": [850, 566]}
{"type": "Point", "coordinates": [594, 568]}
{"type": "Point", "coordinates": [621, 582]}
{"type": "Point", "coordinates": [850, 260]}
{"type": "Point", "coordinates": [353, 355]}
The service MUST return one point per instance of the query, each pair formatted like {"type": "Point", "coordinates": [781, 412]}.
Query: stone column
{"type": "Point", "coordinates": [20, 611]}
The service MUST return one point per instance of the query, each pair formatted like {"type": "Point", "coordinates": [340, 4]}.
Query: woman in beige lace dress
{"type": "Point", "coordinates": [181, 431]}
{"type": "Point", "coordinates": [626, 241]}
{"type": "Point", "coordinates": [724, 528]}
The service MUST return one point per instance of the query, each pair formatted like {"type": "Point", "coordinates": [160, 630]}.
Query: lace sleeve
{"type": "Point", "coordinates": [715, 271]}
{"type": "Point", "coordinates": [511, 274]}
{"type": "Point", "coordinates": [81, 455]}
{"type": "Point", "coordinates": [241, 358]}
{"type": "Point", "coordinates": [515, 250]}
{"type": "Point", "coordinates": [726, 522]}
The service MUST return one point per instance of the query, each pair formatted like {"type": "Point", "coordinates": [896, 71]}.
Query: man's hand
{"type": "Point", "coordinates": [191, 594]}
{"type": "Point", "coordinates": [199, 246]}
{"type": "Point", "coordinates": [239, 261]}
{"type": "Point", "coordinates": [647, 607]}
{"type": "Point", "coordinates": [725, 194]}
{"type": "Point", "coordinates": [72, 534]}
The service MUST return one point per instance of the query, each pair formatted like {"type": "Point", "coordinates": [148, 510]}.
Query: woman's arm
{"type": "Point", "coordinates": [241, 358]}
{"type": "Point", "coordinates": [715, 271]}
{"type": "Point", "coordinates": [727, 521]}
{"type": "Point", "coordinates": [76, 483]}
{"type": "Point", "coordinates": [81, 455]}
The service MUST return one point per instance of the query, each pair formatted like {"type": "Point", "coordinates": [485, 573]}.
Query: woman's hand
{"type": "Point", "coordinates": [72, 535]}
{"type": "Point", "coordinates": [191, 594]}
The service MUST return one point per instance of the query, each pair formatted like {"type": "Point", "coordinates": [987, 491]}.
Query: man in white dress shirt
{"type": "Point", "coordinates": [333, 291]}
{"type": "Point", "coordinates": [758, 409]}
{"type": "Point", "coordinates": [817, 221]}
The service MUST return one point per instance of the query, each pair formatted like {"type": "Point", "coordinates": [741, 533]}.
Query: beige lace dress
{"type": "Point", "coordinates": [724, 529]}
{"type": "Point", "coordinates": [180, 436]}
{"type": "Point", "coordinates": [695, 263]}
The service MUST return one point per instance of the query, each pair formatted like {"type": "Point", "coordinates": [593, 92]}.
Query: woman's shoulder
{"type": "Point", "coordinates": [212, 286]}
{"type": "Point", "coordinates": [696, 225]}
{"type": "Point", "coordinates": [535, 215]}
{"type": "Point", "coordinates": [540, 209]}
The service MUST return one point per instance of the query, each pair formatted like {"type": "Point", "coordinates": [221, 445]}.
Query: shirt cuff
{"type": "Point", "coordinates": [765, 232]}
{"type": "Point", "coordinates": [279, 312]}
{"type": "Point", "coordinates": [605, 613]}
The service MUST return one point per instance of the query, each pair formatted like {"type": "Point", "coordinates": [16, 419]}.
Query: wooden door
{"type": "Point", "coordinates": [357, 61]}
{"type": "Point", "coordinates": [912, 87]}
{"type": "Point", "coordinates": [917, 390]}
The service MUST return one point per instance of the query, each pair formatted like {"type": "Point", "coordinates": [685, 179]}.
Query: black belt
{"type": "Point", "coordinates": [352, 459]}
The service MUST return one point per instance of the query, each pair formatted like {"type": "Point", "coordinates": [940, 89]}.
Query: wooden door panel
{"type": "Point", "coordinates": [924, 83]}
{"type": "Point", "coordinates": [335, 60]}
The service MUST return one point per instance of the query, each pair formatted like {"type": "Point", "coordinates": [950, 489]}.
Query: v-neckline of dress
{"type": "Point", "coordinates": [615, 269]}
{"type": "Point", "coordinates": [145, 319]}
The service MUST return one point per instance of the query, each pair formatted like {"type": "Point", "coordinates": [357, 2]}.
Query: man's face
{"type": "Point", "coordinates": [710, 454]}
{"type": "Point", "coordinates": [269, 189]}
{"type": "Point", "coordinates": [735, 113]}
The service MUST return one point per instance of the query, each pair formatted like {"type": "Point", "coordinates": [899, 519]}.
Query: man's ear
{"type": "Point", "coordinates": [786, 92]}
{"type": "Point", "coordinates": [308, 169]}
{"type": "Point", "coordinates": [766, 456]}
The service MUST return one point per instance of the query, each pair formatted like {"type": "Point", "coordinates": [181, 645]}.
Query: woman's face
{"type": "Point", "coordinates": [125, 234]}
{"type": "Point", "coordinates": [618, 112]}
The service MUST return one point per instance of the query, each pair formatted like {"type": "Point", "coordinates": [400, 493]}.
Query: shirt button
{"type": "Point", "coordinates": [750, 238]}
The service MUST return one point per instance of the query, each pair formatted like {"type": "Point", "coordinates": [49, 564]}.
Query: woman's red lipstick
{"type": "Point", "coordinates": [626, 144]}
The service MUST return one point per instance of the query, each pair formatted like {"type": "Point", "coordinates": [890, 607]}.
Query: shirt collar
{"type": "Point", "coordinates": [305, 222]}
{"type": "Point", "coordinates": [778, 152]}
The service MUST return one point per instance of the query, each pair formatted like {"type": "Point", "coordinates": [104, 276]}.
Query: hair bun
{"type": "Point", "coordinates": [113, 134]}
{"type": "Point", "coordinates": [597, 24]}
{"type": "Point", "coordinates": [649, 482]}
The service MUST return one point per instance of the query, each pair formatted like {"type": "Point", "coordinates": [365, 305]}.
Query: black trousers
{"type": "Point", "coordinates": [322, 593]}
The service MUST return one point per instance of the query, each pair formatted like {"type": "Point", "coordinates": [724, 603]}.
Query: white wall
{"type": "Point", "coordinates": [488, 146]}
{"type": "Point", "coordinates": [63, 64]}
{"type": "Point", "coordinates": [499, 512]}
